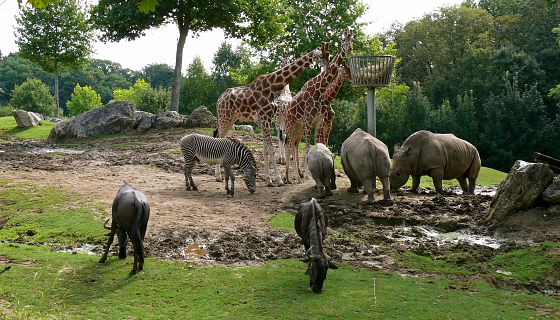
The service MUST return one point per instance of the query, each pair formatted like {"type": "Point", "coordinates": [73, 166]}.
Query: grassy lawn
{"type": "Point", "coordinates": [43, 284]}
{"type": "Point", "coordinates": [46, 284]}
{"type": "Point", "coordinates": [8, 128]}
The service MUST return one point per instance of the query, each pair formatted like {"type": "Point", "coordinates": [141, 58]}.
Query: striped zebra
{"type": "Point", "coordinates": [224, 151]}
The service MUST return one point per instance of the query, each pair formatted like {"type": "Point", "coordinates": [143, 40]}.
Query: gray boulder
{"type": "Point", "coordinates": [168, 120]}
{"type": "Point", "coordinates": [53, 120]}
{"type": "Point", "coordinates": [522, 187]}
{"type": "Point", "coordinates": [144, 121]}
{"type": "Point", "coordinates": [111, 118]}
{"type": "Point", "coordinates": [26, 119]}
{"type": "Point", "coordinates": [552, 192]}
{"type": "Point", "coordinates": [201, 117]}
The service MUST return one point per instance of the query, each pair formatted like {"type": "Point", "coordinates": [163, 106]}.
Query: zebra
{"type": "Point", "coordinates": [224, 151]}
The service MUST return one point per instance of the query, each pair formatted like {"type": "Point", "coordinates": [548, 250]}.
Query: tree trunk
{"type": "Point", "coordinates": [56, 97]}
{"type": "Point", "coordinates": [176, 88]}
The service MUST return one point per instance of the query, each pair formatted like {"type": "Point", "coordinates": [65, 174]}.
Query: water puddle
{"type": "Point", "coordinates": [421, 234]}
{"type": "Point", "coordinates": [55, 150]}
{"type": "Point", "coordinates": [86, 248]}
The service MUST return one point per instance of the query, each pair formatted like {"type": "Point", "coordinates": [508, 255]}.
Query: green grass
{"type": "Point", "coordinates": [46, 284]}
{"type": "Point", "coordinates": [47, 215]}
{"type": "Point", "coordinates": [282, 221]}
{"type": "Point", "coordinates": [8, 128]}
{"type": "Point", "coordinates": [43, 284]}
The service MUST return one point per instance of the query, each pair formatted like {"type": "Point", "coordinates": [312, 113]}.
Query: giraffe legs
{"type": "Point", "coordinates": [307, 134]}
{"type": "Point", "coordinates": [269, 157]}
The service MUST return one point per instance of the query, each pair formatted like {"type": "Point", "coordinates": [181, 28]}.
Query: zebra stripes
{"type": "Point", "coordinates": [224, 151]}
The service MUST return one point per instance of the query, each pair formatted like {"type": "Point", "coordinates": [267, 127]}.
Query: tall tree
{"type": "Point", "coordinates": [159, 75]}
{"type": "Point", "coordinates": [196, 89]}
{"type": "Point", "coordinates": [56, 38]}
{"type": "Point", "coordinates": [255, 19]}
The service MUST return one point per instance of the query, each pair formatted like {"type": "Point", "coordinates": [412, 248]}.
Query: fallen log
{"type": "Point", "coordinates": [553, 163]}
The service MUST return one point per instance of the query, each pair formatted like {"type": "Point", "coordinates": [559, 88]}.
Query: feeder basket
{"type": "Point", "coordinates": [371, 71]}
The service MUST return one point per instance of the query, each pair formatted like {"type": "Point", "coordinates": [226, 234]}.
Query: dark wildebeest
{"type": "Point", "coordinates": [311, 225]}
{"type": "Point", "coordinates": [130, 219]}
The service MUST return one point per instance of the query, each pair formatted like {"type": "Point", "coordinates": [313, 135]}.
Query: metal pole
{"type": "Point", "coordinates": [371, 112]}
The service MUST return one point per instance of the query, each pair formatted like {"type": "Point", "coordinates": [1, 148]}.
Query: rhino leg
{"type": "Point", "coordinates": [369, 188]}
{"type": "Point", "coordinates": [463, 183]}
{"type": "Point", "coordinates": [327, 184]}
{"type": "Point", "coordinates": [472, 184]}
{"type": "Point", "coordinates": [437, 176]}
{"type": "Point", "coordinates": [386, 191]}
{"type": "Point", "coordinates": [415, 183]}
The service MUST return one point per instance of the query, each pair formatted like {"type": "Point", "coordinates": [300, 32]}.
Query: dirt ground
{"type": "Point", "coordinates": [207, 227]}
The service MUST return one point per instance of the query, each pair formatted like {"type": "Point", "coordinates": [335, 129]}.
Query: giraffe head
{"type": "Point", "coordinates": [325, 46]}
{"type": "Point", "coordinates": [344, 71]}
{"type": "Point", "coordinates": [348, 38]}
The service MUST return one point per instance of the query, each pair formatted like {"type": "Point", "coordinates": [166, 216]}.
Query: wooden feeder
{"type": "Point", "coordinates": [371, 72]}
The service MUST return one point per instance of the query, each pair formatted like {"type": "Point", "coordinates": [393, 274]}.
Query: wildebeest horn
{"type": "Point", "coordinates": [105, 225]}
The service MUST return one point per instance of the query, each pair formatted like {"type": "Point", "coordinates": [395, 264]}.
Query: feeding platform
{"type": "Point", "coordinates": [371, 72]}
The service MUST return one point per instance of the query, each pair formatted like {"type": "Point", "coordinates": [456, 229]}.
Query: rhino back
{"type": "Point", "coordinates": [365, 155]}
{"type": "Point", "coordinates": [459, 156]}
{"type": "Point", "coordinates": [319, 160]}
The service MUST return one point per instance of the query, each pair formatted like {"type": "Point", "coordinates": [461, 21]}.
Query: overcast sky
{"type": "Point", "coordinates": [158, 46]}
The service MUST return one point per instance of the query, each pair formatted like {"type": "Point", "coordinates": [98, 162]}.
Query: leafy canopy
{"type": "Point", "coordinates": [83, 99]}
{"type": "Point", "coordinates": [33, 95]}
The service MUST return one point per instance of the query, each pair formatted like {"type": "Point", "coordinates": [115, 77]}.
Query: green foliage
{"type": "Point", "coordinates": [442, 119]}
{"type": "Point", "coordinates": [283, 221]}
{"type": "Point", "coordinates": [83, 99]}
{"type": "Point", "coordinates": [391, 104]}
{"type": "Point", "coordinates": [6, 111]}
{"type": "Point", "coordinates": [349, 117]}
{"type": "Point", "coordinates": [467, 125]}
{"type": "Point", "coordinates": [33, 95]}
{"type": "Point", "coordinates": [514, 127]}
{"type": "Point", "coordinates": [14, 70]}
{"type": "Point", "coordinates": [159, 75]}
{"type": "Point", "coordinates": [197, 88]}
{"type": "Point", "coordinates": [144, 97]}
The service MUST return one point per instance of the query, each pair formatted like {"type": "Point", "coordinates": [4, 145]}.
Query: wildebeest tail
{"type": "Point", "coordinates": [215, 133]}
{"type": "Point", "coordinates": [281, 136]}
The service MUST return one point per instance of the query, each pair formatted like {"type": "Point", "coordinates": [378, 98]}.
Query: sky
{"type": "Point", "coordinates": [159, 45]}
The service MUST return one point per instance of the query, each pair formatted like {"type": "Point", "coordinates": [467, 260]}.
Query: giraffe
{"type": "Point", "coordinates": [253, 102]}
{"type": "Point", "coordinates": [285, 96]}
{"type": "Point", "coordinates": [324, 124]}
{"type": "Point", "coordinates": [301, 113]}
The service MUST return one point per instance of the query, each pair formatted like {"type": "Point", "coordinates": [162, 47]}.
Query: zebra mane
{"type": "Point", "coordinates": [249, 153]}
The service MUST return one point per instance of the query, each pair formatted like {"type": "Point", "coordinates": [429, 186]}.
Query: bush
{"type": "Point", "coordinates": [83, 99]}
{"type": "Point", "coordinates": [6, 111]}
{"type": "Point", "coordinates": [33, 95]}
{"type": "Point", "coordinates": [144, 97]}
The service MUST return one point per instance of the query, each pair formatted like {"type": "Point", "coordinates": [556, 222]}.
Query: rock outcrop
{"type": "Point", "coordinates": [26, 119]}
{"type": "Point", "coordinates": [201, 117]}
{"type": "Point", "coordinates": [552, 192]}
{"type": "Point", "coordinates": [111, 118]}
{"type": "Point", "coordinates": [523, 186]}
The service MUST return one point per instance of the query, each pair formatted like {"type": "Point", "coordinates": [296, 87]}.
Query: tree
{"type": "Point", "coordinates": [467, 124]}
{"type": "Point", "coordinates": [144, 97]}
{"type": "Point", "coordinates": [57, 38]}
{"type": "Point", "coordinates": [516, 125]}
{"type": "Point", "coordinates": [196, 89]}
{"type": "Point", "coordinates": [14, 70]}
{"type": "Point", "coordinates": [33, 95]}
{"type": "Point", "coordinates": [256, 19]}
{"type": "Point", "coordinates": [159, 75]}
{"type": "Point", "coordinates": [83, 99]}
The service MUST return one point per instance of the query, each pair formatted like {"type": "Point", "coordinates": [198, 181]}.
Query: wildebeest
{"type": "Point", "coordinates": [320, 162]}
{"type": "Point", "coordinates": [311, 225]}
{"type": "Point", "coordinates": [364, 158]}
{"type": "Point", "coordinates": [224, 151]}
{"type": "Point", "coordinates": [130, 214]}
{"type": "Point", "coordinates": [440, 156]}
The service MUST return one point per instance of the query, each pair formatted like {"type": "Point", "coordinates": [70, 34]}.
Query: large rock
{"type": "Point", "coordinates": [201, 117]}
{"type": "Point", "coordinates": [168, 120]}
{"type": "Point", "coordinates": [26, 119]}
{"type": "Point", "coordinates": [523, 186]}
{"type": "Point", "coordinates": [552, 192]}
{"type": "Point", "coordinates": [111, 118]}
{"type": "Point", "coordinates": [144, 121]}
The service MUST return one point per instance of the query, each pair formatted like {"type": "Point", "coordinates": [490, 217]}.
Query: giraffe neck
{"type": "Point", "coordinates": [334, 87]}
{"type": "Point", "coordinates": [283, 76]}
